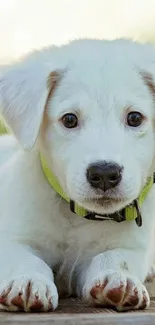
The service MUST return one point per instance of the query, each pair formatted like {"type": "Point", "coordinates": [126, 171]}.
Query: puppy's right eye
{"type": "Point", "coordinates": [134, 119]}
{"type": "Point", "coordinates": [69, 120]}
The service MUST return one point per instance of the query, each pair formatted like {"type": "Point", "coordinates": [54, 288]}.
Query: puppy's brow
{"type": "Point", "coordinates": [53, 79]}
{"type": "Point", "coordinates": [148, 79]}
{"type": "Point", "coordinates": [52, 82]}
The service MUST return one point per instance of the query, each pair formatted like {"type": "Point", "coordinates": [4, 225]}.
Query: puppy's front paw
{"type": "Point", "coordinates": [28, 294]}
{"type": "Point", "coordinates": [115, 289]}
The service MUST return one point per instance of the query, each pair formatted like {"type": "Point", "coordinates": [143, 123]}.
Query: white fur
{"type": "Point", "coordinates": [101, 82]}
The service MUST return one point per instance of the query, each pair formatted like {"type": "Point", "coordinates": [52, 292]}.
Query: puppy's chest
{"type": "Point", "coordinates": [85, 240]}
{"type": "Point", "coordinates": [90, 237]}
{"type": "Point", "coordinates": [83, 234]}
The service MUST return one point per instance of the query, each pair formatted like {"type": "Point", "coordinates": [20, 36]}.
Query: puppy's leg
{"type": "Point", "coordinates": [26, 281]}
{"type": "Point", "coordinates": [109, 281]}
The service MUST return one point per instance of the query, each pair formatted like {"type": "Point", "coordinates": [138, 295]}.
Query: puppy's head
{"type": "Point", "coordinates": [90, 104]}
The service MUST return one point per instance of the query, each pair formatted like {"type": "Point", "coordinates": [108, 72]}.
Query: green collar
{"type": "Point", "coordinates": [131, 212]}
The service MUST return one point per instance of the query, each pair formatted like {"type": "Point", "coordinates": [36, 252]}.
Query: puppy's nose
{"type": "Point", "coordinates": [104, 175]}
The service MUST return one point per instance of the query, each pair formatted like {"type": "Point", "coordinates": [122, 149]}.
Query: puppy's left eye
{"type": "Point", "coordinates": [134, 119]}
{"type": "Point", "coordinates": [69, 120]}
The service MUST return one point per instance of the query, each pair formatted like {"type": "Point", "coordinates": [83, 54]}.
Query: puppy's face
{"type": "Point", "coordinates": [100, 132]}
{"type": "Point", "coordinates": [97, 132]}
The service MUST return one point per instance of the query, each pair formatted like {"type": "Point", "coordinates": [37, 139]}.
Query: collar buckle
{"type": "Point", "coordinates": [139, 215]}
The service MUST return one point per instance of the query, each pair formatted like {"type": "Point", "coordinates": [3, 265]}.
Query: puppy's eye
{"type": "Point", "coordinates": [70, 120]}
{"type": "Point", "coordinates": [134, 119]}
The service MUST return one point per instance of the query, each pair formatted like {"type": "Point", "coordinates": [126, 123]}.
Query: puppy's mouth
{"type": "Point", "coordinates": [105, 199]}
{"type": "Point", "coordinates": [105, 204]}
{"type": "Point", "coordinates": [100, 205]}
{"type": "Point", "coordinates": [102, 201]}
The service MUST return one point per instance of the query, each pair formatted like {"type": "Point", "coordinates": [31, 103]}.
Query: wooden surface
{"type": "Point", "coordinates": [74, 312]}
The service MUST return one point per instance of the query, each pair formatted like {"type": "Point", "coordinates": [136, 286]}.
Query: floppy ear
{"type": "Point", "coordinates": [24, 92]}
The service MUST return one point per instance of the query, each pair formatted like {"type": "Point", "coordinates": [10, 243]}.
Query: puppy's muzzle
{"type": "Point", "coordinates": [104, 175]}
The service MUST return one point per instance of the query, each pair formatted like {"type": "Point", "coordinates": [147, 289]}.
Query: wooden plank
{"type": "Point", "coordinates": [74, 312]}
{"type": "Point", "coordinates": [78, 319]}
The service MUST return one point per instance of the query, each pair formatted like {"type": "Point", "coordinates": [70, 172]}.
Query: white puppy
{"type": "Point", "coordinates": [88, 109]}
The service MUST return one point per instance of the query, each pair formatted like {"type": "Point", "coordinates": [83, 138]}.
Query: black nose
{"type": "Point", "coordinates": [104, 175]}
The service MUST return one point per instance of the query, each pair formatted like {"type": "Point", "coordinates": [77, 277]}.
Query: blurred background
{"type": "Point", "coordinates": [31, 24]}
